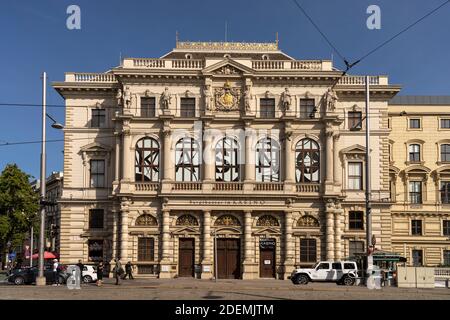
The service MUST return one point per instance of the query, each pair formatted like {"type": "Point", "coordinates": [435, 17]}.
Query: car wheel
{"type": "Point", "coordinates": [348, 281]}
{"type": "Point", "coordinates": [87, 279]}
{"type": "Point", "coordinates": [19, 281]}
{"type": "Point", "coordinates": [301, 279]}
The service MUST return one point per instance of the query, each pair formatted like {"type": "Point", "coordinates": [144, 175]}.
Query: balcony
{"type": "Point", "coordinates": [228, 186]}
{"type": "Point", "coordinates": [361, 80]}
{"type": "Point", "coordinates": [187, 186]}
{"type": "Point", "coordinates": [90, 77]}
{"type": "Point", "coordinates": [268, 186]}
{"type": "Point", "coordinates": [146, 186]}
{"type": "Point", "coordinates": [307, 187]}
{"type": "Point", "coordinates": [297, 65]}
{"type": "Point", "coordinates": [150, 63]}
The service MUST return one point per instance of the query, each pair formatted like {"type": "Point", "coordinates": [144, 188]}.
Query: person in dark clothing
{"type": "Point", "coordinates": [100, 268]}
{"type": "Point", "coordinates": [129, 271]}
{"type": "Point", "coordinates": [118, 271]}
{"type": "Point", "coordinates": [81, 266]}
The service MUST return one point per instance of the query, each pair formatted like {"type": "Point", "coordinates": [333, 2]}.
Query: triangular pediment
{"type": "Point", "coordinates": [227, 67]}
{"type": "Point", "coordinates": [186, 230]}
{"type": "Point", "coordinates": [356, 148]}
{"type": "Point", "coordinates": [267, 231]}
{"type": "Point", "coordinates": [95, 147]}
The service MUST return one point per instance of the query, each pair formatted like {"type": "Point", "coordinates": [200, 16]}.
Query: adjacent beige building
{"type": "Point", "coordinates": [420, 178]}
{"type": "Point", "coordinates": [235, 153]}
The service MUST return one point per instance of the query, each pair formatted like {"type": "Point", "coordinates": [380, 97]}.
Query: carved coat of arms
{"type": "Point", "coordinates": [227, 98]}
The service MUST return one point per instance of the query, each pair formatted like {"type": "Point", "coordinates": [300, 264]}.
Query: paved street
{"type": "Point", "coordinates": [191, 289]}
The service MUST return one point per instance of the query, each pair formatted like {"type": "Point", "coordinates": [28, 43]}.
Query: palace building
{"type": "Point", "coordinates": [235, 153]}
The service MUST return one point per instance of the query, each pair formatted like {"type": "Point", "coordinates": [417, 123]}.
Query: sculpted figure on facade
{"type": "Point", "coordinates": [247, 98]}
{"type": "Point", "coordinates": [286, 99]}
{"type": "Point", "coordinates": [119, 97]}
{"type": "Point", "coordinates": [166, 98]}
{"type": "Point", "coordinates": [127, 98]}
{"type": "Point", "coordinates": [208, 97]}
{"type": "Point", "coordinates": [330, 100]}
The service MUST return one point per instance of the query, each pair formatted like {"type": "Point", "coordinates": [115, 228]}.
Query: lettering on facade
{"type": "Point", "coordinates": [228, 202]}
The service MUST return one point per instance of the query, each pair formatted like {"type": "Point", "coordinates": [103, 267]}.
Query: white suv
{"type": "Point", "coordinates": [340, 272]}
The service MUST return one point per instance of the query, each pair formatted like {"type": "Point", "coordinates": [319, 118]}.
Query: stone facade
{"type": "Point", "coordinates": [236, 153]}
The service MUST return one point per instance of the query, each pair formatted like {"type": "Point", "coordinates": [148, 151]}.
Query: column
{"type": "Point", "coordinates": [124, 235]}
{"type": "Point", "coordinates": [117, 160]}
{"type": "Point", "coordinates": [288, 244]}
{"type": "Point", "coordinates": [164, 271]}
{"type": "Point", "coordinates": [249, 267]}
{"type": "Point", "coordinates": [168, 164]}
{"type": "Point", "coordinates": [337, 170]}
{"type": "Point", "coordinates": [338, 214]}
{"type": "Point", "coordinates": [289, 167]}
{"type": "Point", "coordinates": [329, 154]}
{"type": "Point", "coordinates": [249, 161]}
{"type": "Point", "coordinates": [329, 212]}
{"type": "Point", "coordinates": [127, 163]}
{"type": "Point", "coordinates": [115, 237]}
{"type": "Point", "coordinates": [208, 162]}
{"type": "Point", "coordinates": [207, 246]}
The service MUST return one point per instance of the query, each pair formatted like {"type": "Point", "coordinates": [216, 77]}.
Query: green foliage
{"type": "Point", "coordinates": [19, 204]}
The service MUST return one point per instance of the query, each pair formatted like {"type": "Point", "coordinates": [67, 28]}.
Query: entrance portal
{"type": "Point", "coordinates": [186, 257]}
{"type": "Point", "coordinates": [267, 258]}
{"type": "Point", "coordinates": [228, 258]}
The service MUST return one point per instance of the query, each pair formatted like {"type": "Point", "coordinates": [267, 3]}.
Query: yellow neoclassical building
{"type": "Point", "coordinates": [228, 155]}
{"type": "Point", "coordinates": [420, 178]}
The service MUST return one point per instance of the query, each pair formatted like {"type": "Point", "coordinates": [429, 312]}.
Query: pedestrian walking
{"type": "Point", "coordinates": [80, 265]}
{"type": "Point", "coordinates": [55, 272]}
{"type": "Point", "coordinates": [129, 271]}
{"type": "Point", "coordinates": [118, 271]}
{"type": "Point", "coordinates": [100, 268]}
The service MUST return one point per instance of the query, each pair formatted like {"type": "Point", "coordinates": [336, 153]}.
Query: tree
{"type": "Point", "coordinates": [19, 204]}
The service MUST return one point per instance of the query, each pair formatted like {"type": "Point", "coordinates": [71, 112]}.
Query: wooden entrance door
{"type": "Point", "coordinates": [267, 260]}
{"type": "Point", "coordinates": [228, 258]}
{"type": "Point", "coordinates": [186, 257]}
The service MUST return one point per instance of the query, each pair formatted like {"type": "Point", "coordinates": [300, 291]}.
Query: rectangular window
{"type": "Point", "coordinates": [98, 118]}
{"type": "Point", "coordinates": [445, 123]}
{"type": "Point", "coordinates": [267, 108]}
{"type": "Point", "coordinates": [355, 247]}
{"type": "Point", "coordinates": [417, 258]}
{"type": "Point", "coordinates": [354, 120]}
{"type": "Point", "coordinates": [146, 249]}
{"type": "Point", "coordinates": [355, 176]}
{"type": "Point", "coordinates": [446, 227]}
{"type": "Point", "coordinates": [445, 152]}
{"type": "Point", "coordinates": [96, 219]}
{"type": "Point", "coordinates": [308, 250]}
{"type": "Point", "coordinates": [414, 153]}
{"type": "Point", "coordinates": [416, 227]}
{"type": "Point", "coordinates": [97, 173]}
{"type": "Point", "coordinates": [95, 250]}
{"type": "Point", "coordinates": [188, 107]}
{"type": "Point", "coordinates": [415, 192]}
{"type": "Point", "coordinates": [336, 266]}
{"type": "Point", "coordinates": [445, 192]}
{"type": "Point", "coordinates": [446, 256]}
{"type": "Point", "coordinates": [307, 108]}
{"type": "Point", "coordinates": [148, 107]}
{"type": "Point", "coordinates": [414, 123]}
{"type": "Point", "coordinates": [356, 220]}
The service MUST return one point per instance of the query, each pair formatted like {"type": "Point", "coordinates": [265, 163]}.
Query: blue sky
{"type": "Point", "coordinates": [35, 39]}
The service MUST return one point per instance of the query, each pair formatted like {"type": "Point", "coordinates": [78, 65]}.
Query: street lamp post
{"type": "Point", "coordinates": [368, 183]}
{"type": "Point", "coordinates": [40, 280]}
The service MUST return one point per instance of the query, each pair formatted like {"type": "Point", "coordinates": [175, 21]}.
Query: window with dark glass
{"type": "Point", "coordinates": [355, 176]}
{"type": "Point", "coordinates": [267, 160]}
{"type": "Point", "coordinates": [355, 120]}
{"type": "Point", "coordinates": [336, 266]}
{"type": "Point", "coordinates": [417, 258]}
{"type": "Point", "coordinates": [355, 247]}
{"type": "Point", "coordinates": [147, 160]}
{"type": "Point", "coordinates": [146, 249]}
{"type": "Point", "coordinates": [446, 227]}
{"type": "Point", "coordinates": [307, 161]}
{"type": "Point", "coordinates": [267, 107]}
{"type": "Point", "coordinates": [96, 218]}
{"type": "Point", "coordinates": [227, 162]}
{"type": "Point", "coordinates": [414, 123]}
{"type": "Point", "coordinates": [445, 152]}
{"type": "Point", "coordinates": [416, 227]}
{"type": "Point", "coordinates": [356, 220]}
{"type": "Point", "coordinates": [95, 250]}
{"type": "Point", "coordinates": [445, 123]}
{"type": "Point", "coordinates": [187, 107]}
{"type": "Point", "coordinates": [415, 191]}
{"type": "Point", "coordinates": [445, 192]}
{"type": "Point", "coordinates": [98, 119]}
{"type": "Point", "coordinates": [446, 258]}
{"type": "Point", "coordinates": [308, 250]}
{"type": "Point", "coordinates": [307, 108]}
{"type": "Point", "coordinates": [148, 107]}
{"type": "Point", "coordinates": [414, 152]}
{"type": "Point", "coordinates": [97, 173]}
{"type": "Point", "coordinates": [187, 160]}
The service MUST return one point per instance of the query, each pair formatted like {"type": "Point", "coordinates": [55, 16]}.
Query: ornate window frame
{"type": "Point", "coordinates": [259, 166]}
{"type": "Point", "coordinates": [95, 151]}
{"type": "Point", "coordinates": [148, 94]}
{"type": "Point", "coordinates": [302, 150]}
{"type": "Point", "coordinates": [140, 151]}
{"type": "Point", "coordinates": [231, 152]}
{"type": "Point", "coordinates": [195, 159]}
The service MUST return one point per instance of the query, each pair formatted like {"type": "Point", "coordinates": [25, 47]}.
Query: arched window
{"type": "Point", "coordinates": [147, 160]}
{"type": "Point", "coordinates": [308, 222]}
{"type": "Point", "coordinates": [267, 160]}
{"type": "Point", "coordinates": [187, 220]}
{"type": "Point", "coordinates": [227, 165]}
{"type": "Point", "coordinates": [227, 220]}
{"type": "Point", "coordinates": [146, 220]}
{"type": "Point", "coordinates": [187, 160]}
{"type": "Point", "coordinates": [267, 221]}
{"type": "Point", "coordinates": [414, 152]}
{"type": "Point", "coordinates": [307, 163]}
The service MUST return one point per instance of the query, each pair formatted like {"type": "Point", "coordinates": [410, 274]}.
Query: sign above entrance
{"type": "Point", "coordinates": [267, 243]}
